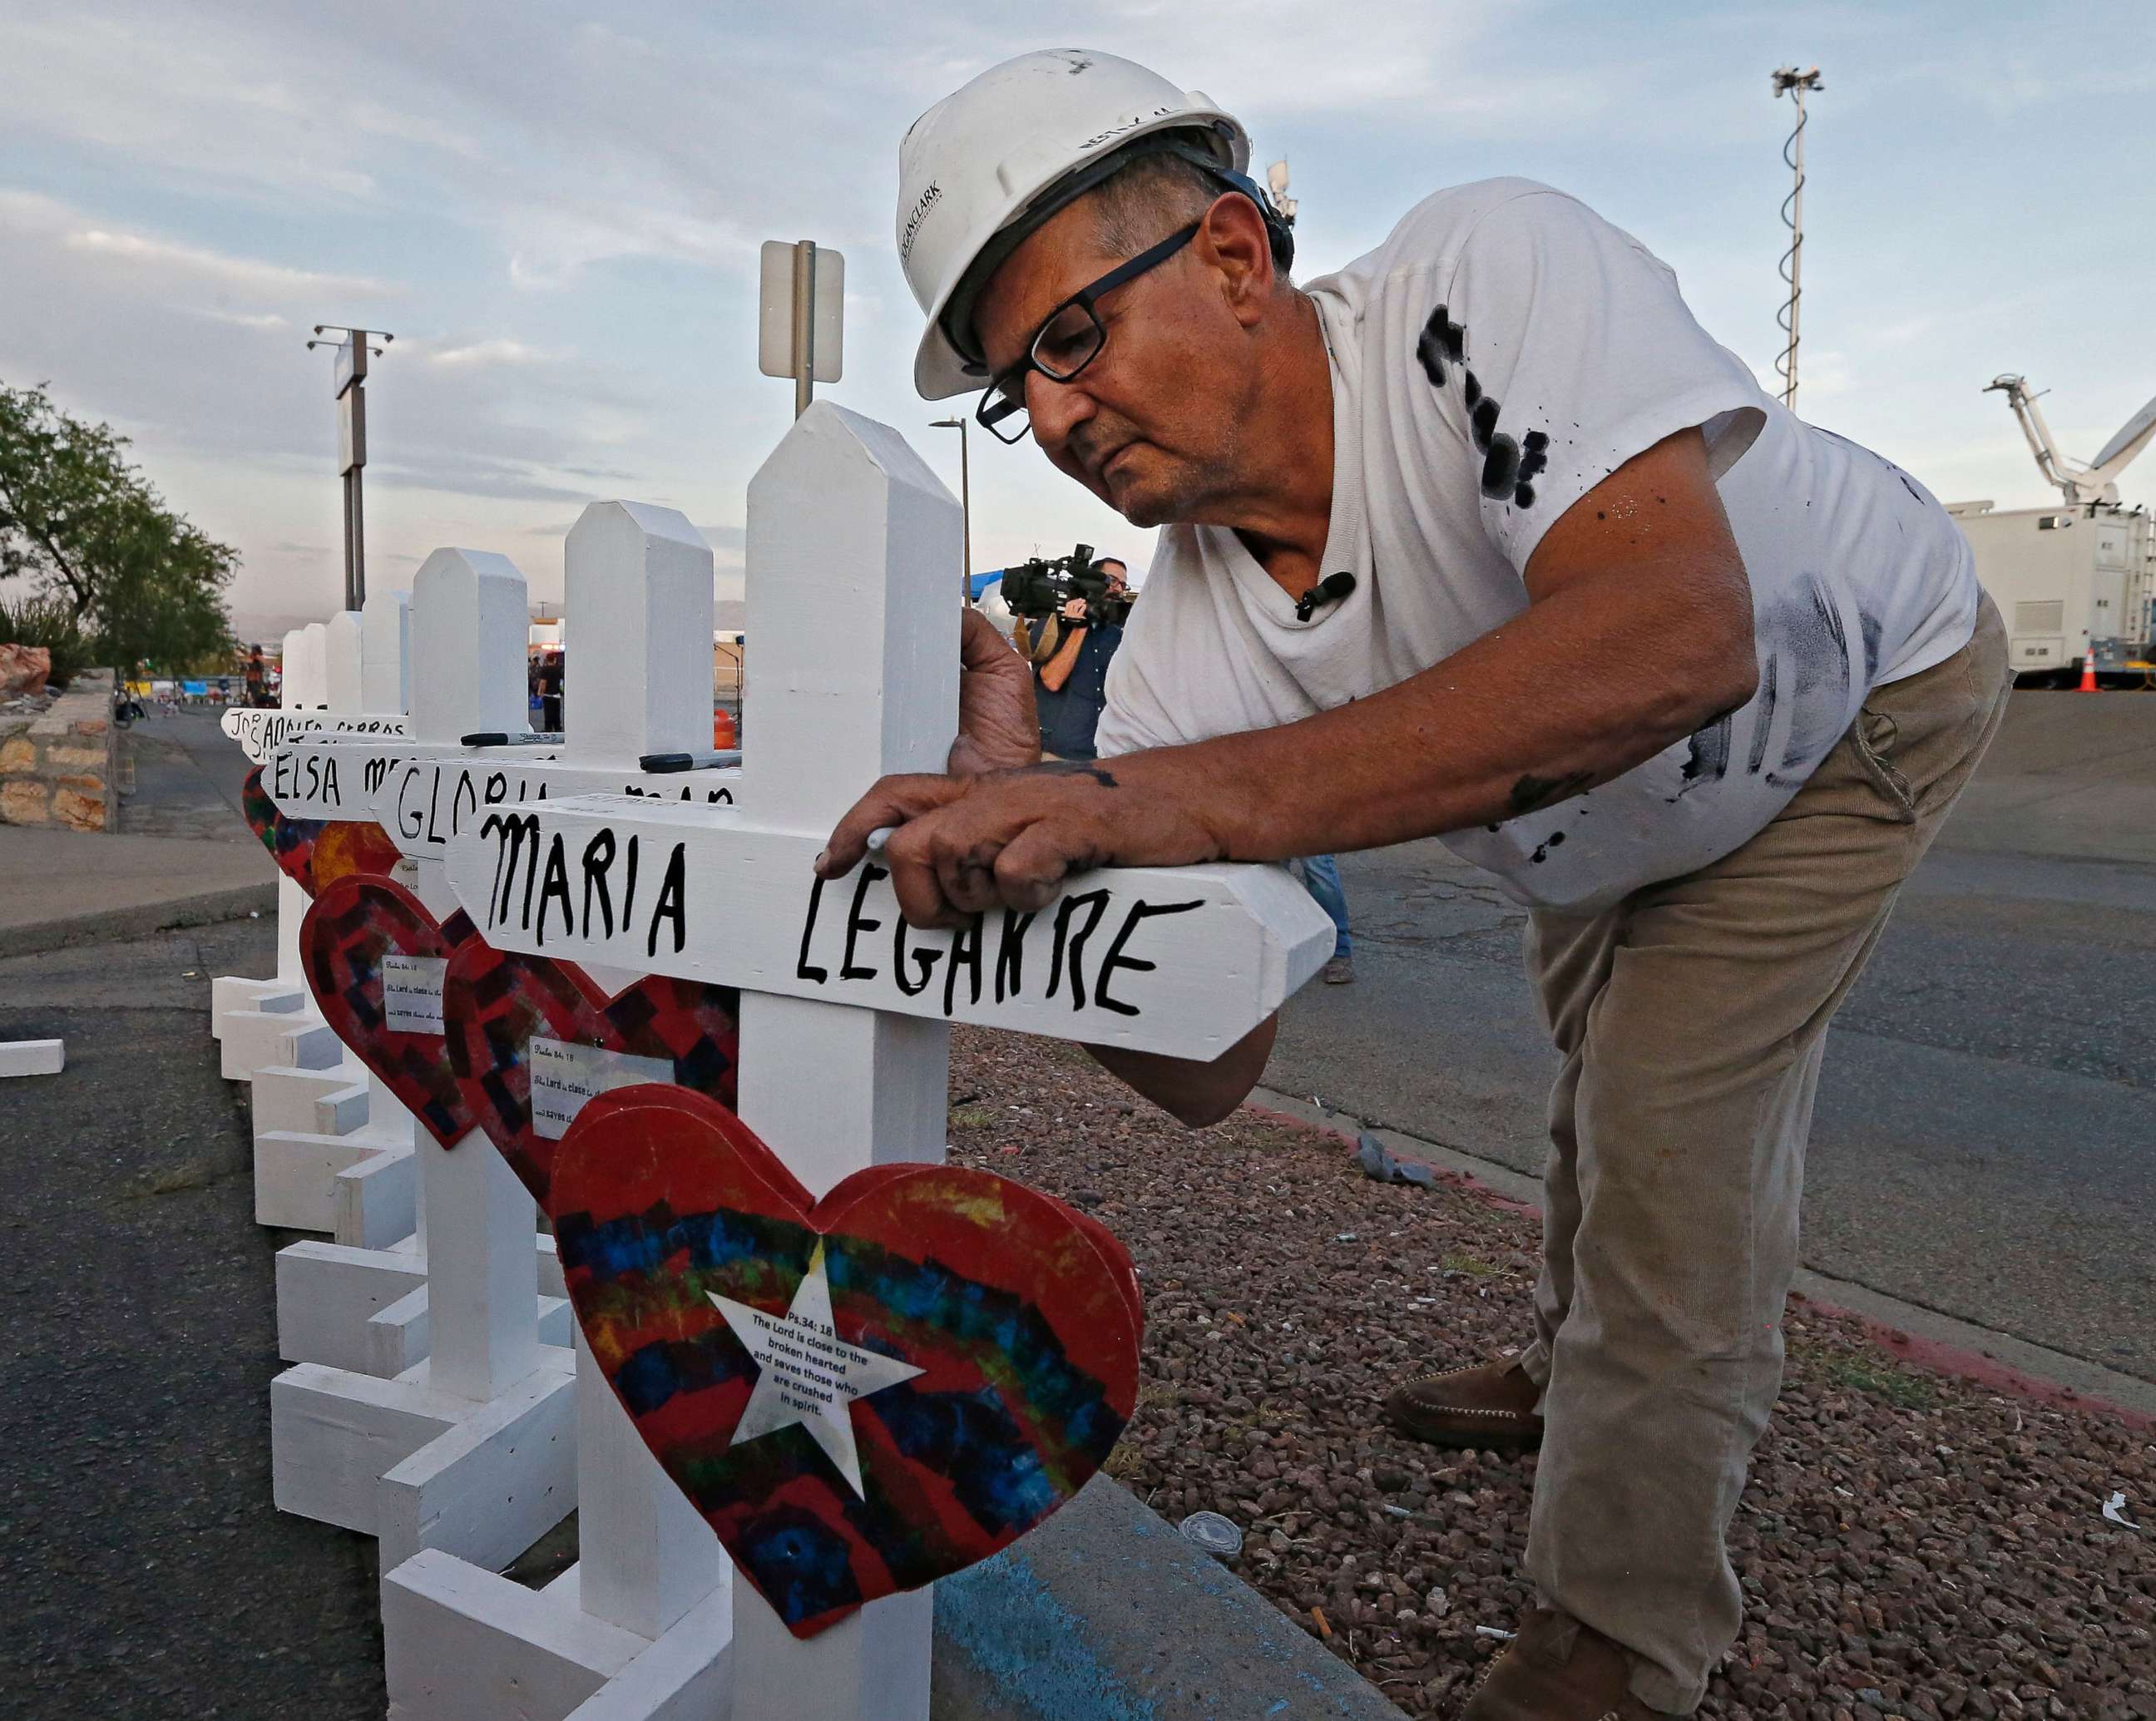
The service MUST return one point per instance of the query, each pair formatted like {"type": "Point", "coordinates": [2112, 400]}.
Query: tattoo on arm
{"type": "Point", "coordinates": [1531, 792]}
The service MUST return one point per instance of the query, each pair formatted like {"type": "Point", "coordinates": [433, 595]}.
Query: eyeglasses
{"type": "Point", "coordinates": [1070, 339]}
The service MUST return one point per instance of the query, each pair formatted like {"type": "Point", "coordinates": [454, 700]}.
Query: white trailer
{"type": "Point", "coordinates": [2068, 580]}
{"type": "Point", "coordinates": [2076, 579]}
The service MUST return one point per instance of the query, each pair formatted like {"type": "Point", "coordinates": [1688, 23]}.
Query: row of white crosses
{"type": "Point", "coordinates": [844, 1029]}
{"type": "Point", "coordinates": [332, 1148]}
{"type": "Point", "coordinates": [845, 1019]}
{"type": "Point", "coordinates": [359, 1303]}
{"type": "Point", "coordinates": [471, 1443]}
{"type": "Point", "coordinates": [468, 1452]}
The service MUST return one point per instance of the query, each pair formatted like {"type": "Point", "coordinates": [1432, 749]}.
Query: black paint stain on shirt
{"type": "Point", "coordinates": [1534, 455]}
{"type": "Point", "coordinates": [1707, 759]}
{"type": "Point", "coordinates": [1508, 465]}
{"type": "Point", "coordinates": [1442, 340]}
{"type": "Point", "coordinates": [1541, 854]}
{"type": "Point", "coordinates": [1765, 716]}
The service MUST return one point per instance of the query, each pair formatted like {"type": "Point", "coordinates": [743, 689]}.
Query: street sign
{"type": "Point", "coordinates": [776, 350]}
{"type": "Point", "coordinates": [351, 430]}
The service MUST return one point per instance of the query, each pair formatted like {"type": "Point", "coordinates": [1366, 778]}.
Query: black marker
{"type": "Point", "coordinates": [660, 764]}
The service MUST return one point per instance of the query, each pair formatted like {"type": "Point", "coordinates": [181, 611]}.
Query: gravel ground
{"type": "Point", "coordinates": [1910, 1544]}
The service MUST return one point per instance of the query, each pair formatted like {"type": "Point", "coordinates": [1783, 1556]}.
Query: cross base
{"type": "Point", "coordinates": [460, 1642]}
{"type": "Point", "coordinates": [364, 1310]}
{"type": "Point", "coordinates": [417, 1467]}
{"type": "Point", "coordinates": [248, 1029]}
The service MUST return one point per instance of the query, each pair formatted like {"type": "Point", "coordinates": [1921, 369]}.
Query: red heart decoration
{"type": "Point", "coordinates": [314, 852]}
{"type": "Point", "coordinates": [979, 1361]}
{"type": "Point", "coordinates": [497, 1003]}
{"type": "Point", "coordinates": [354, 923]}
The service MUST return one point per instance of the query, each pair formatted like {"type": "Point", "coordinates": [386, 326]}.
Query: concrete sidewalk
{"type": "Point", "coordinates": [67, 887]}
{"type": "Point", "coordinates": [183, 857]}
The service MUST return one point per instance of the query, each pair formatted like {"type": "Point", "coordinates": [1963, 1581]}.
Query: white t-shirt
{"type": "Point", "coordinates": [1498, 357]}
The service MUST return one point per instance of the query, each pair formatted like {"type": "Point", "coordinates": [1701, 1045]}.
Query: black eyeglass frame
{"type": "Point", "coordinates": [997, 405]}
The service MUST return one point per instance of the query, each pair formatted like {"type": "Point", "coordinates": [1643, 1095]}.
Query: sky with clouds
{"type": "Point", "coordinates": [558, 210]}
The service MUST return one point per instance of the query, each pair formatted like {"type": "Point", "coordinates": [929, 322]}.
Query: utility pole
{"type": "Point", "coordinates": [1792, 83]}
{"type": "Point", "coordinates": [965, 502]}
{"type": "Point", "coordinates": [353, 353]}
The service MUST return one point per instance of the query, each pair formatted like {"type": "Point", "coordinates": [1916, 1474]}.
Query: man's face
{"type": "Point", "coordinates": [1118, 577]}
{"type": "Point", "coordinates": [1151, 425]}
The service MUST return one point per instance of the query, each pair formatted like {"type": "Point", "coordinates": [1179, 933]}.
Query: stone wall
{"type": "Point", "coordinates": [62, 768]}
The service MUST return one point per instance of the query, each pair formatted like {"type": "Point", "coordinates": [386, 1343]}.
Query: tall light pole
{"type": "Point", "coordinates": [353, 353]}
{"type": "Point", "coordinates": [1792, 83]}
{"type": "Point", "coordinates": [965, 497]}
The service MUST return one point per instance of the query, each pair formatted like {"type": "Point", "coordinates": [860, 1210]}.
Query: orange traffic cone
{"type": "Point", "coordinates": [723, 728]}
{"type": "Point", "coordinates": [2088, 672]}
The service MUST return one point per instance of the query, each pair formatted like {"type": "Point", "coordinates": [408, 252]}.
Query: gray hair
{"type": "Point", "coordinates": [1151, 198]}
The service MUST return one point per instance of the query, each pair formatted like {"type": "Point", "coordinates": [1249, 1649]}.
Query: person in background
{"type": "Point", "coordinates": [553, 672]}
{"type": "Point", "coordinates": [258, 677]}
{"type": "Point", "coordinates": [1320, 877]}
{"type": "Point", "coordinates": [1071, 653]}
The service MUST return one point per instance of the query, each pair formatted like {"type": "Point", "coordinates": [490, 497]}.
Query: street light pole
{"type": "Point", "coordinates": [353, 354]}
{"type": "Point", "coordinates": [965, 498]}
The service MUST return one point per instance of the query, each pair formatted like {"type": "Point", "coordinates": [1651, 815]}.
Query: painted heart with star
{"type": "Point", "coordinates": [529, 1038]}
{"type": "Point", "coordinates": [314, 853]}
{"type": "Point", "coordinates": [859, 1395]}
{"type": "Point", "coordinates": [376, 961]}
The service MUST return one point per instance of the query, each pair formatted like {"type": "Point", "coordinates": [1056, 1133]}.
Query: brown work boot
{"type": "Point", "coordinates": [1557, 1670]}
{"type": "Point", "coordinates": [1490, 1407]}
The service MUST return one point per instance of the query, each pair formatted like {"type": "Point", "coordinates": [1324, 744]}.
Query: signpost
{"type": "Point", "coordinates": [844, 1017]}
{"type": "Point", "coordinates": [801, 315]}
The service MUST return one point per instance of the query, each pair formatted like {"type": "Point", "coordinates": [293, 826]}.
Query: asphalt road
{"type": "Point", "coordinates": [147, 1575]}
{"type": "Point", "coordinates": [1984, 1142]}
{"type": "Point", "coordinates": [187, 779]}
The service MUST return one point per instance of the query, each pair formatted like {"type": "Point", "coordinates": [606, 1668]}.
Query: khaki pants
{"type": "Point", "coordinates": [1691, 1018]}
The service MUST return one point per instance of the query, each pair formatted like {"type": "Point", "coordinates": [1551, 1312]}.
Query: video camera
{"type": "Point", "coordinates": [1039, 589]}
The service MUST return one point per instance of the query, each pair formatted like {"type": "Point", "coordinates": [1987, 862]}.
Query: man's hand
{"type": "Point", "coordinates": [964, 845]}
{"type": "Point", "coordinates": [1074, 609]}
{"type": "Point", "coordinates": [998, 729]}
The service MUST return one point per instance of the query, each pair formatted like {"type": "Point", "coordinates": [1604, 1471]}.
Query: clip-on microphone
{"type": "Point", "coordinates": [1329, 590]}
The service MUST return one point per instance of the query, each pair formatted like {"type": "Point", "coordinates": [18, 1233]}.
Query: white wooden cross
{"type": "Point", "coordinates": [472, 1447]}
{"type": "Point", "coordinates": [845, 1012]}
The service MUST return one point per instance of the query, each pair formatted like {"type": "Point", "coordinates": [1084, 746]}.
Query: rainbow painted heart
{"type": "Point", "coordinates": [859, 1395]}
{"type": "Point", "coordinates": [527, 1034]}
{"type": "Point", "coordinates": [376, 961]}
{"type": "Point", "coordinates": [314, 853]}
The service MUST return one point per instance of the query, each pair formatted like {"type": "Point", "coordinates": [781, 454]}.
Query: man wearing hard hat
{"type": "Point", "coordinates": [1480, 537]}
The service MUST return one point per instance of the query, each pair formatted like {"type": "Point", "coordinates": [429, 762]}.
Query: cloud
{"type": "Point", "coordinates": [245, 275]}
{"type": "Point", "coordinates": [498, 352]}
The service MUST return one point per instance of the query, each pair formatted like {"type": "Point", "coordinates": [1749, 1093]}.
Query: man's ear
{"type": "Point", "coordinates": [1232, 240]}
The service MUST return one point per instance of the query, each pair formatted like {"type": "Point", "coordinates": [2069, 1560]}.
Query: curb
{"type": "Point", "coordinates": [1106, 1613]}
{"type": "Point", "coordinates": [1998, 1362]}
{"type": "Point", "coordinates": [110, 925]}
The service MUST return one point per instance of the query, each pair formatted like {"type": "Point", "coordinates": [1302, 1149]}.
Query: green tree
{"type": "Point", "coordinates": [102, 554]}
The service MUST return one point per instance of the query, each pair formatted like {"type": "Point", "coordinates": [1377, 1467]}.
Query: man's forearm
{"type": "Point", "coordinates": [1597, 681]}
{"type": "Point", "coordinates": [1057, 669]}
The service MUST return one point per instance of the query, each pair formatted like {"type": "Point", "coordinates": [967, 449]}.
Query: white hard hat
{"type": "Point", "coordinates": [998, 156]}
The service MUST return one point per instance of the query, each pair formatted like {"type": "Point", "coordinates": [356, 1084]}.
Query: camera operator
{"type": "Point", "coordinates": [1069, 650]}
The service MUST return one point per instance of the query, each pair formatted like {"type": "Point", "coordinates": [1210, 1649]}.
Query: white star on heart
{"type": "Point", "coordinates": [806, 1372]}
